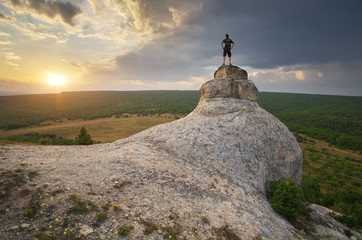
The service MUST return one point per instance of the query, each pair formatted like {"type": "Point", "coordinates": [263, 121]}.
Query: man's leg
{"type": "Point", "coordinates": [230, 60]}
{"type": "Point", "coordinates": [223, 60]}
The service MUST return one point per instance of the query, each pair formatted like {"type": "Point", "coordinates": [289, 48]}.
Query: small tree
{"type": "Point", "coordinates": [286, 198]}
{"type": "Point", "coordinates": [83, 138]}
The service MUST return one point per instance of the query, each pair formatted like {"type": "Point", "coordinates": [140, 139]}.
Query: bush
{"type": "Point", "coordinates": [310, 189]}
{"type": "Point", "coordinates": [83, 138]}
{"type": "Point", "coordinates": [286, 198]}
{"type": "Point", "coordinates": [45, 141]}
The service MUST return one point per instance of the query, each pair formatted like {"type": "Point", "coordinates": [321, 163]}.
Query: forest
{"type": "Point", "coordinates": [334, 119]}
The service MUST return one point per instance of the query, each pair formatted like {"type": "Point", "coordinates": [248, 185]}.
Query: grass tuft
{"type": "Point", "coordinates": [125, 230]}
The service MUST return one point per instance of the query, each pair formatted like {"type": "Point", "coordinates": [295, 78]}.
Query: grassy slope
{"type": "Point", "coordinates": [101, 129]}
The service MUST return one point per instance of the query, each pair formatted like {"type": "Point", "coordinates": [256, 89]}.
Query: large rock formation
{"type": "Point", "coordinates": [200, 177]}
{"type": "Point", "coordinates": [230, 133]}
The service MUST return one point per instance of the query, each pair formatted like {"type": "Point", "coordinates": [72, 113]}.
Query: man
{"type": "Point", "coordinates": [229, 44]}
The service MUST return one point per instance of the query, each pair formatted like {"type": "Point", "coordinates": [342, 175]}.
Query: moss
{"type": "Point", "coordinates": [226, 232]}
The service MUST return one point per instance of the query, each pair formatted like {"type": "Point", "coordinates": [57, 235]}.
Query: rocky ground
{"type": "Point", "coordinates": [95, 192]}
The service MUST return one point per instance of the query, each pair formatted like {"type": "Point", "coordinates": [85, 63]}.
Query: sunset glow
{"type": "Point", "coordinates": [56, 79]}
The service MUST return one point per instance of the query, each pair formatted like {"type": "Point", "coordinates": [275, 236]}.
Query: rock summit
{"type": "Point", "coordinates": [229, 82]}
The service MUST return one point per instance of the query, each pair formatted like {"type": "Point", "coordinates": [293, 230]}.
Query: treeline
{"type": "Point", "coordinates": [27, 110]}
{"type": "Point", "coordinates": [44, 139]}
{"type": "Point", "coordinates": [335, 119]}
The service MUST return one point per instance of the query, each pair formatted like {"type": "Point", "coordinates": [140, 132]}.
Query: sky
{"type": "Point", "coordinates": [299, 46]}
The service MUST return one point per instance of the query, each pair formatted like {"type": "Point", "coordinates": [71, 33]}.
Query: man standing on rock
{"type": "Point", "coordinates": [227, 41]}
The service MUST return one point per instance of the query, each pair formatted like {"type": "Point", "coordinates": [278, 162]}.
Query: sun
{"type": "Point", "coordinates": [56, 79]}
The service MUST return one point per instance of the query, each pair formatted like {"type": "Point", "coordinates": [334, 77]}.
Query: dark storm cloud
{"type": "Point", "coordinates": [309, 35]}
{"type": "Point", "coordinates": [66, 10]}
{"type": "Point", "coordinates": [283, 32]}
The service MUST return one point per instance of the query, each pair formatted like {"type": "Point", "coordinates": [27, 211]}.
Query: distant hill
{"type": "Point", "coordinates": [6, 93]}
{"type": "Point", "coordinates": [336, 119]}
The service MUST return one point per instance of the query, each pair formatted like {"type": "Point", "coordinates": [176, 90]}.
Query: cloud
{"type": "Point", "coordinates": [50, 8]}
{"type": "Point", "coordinates": [6, 18]}
{"type": "Point", "coordinates": [299, 75]}
{"type": "Point", "coordinates": [332, 78]}
{"type": "Point", "coordinates": [136, 22]}
{"type": "Point", "coordinates": [11, 56]}
{"type": "Point", "coordinates": [3, 41]}
{"type": "Point", "coordinates": [11, 59]}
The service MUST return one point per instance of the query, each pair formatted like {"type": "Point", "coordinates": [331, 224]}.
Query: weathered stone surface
{"type": "Point", "coordinates": [85, 230]}
{"type": "Point", "coordinates": [25, 225]}
{"type": "Point", "coordinates": [228, 88]}
{"type": "Point", "coordinates": [229, 82]}
{"type": "Point", "coordinates": [220, 88]}
{"type": "Point", "coordinates": [245, 89]}
{"type": "Point", "coordinates": [230, 71]}
{"type": "Point", "coordinates": [234, 136]}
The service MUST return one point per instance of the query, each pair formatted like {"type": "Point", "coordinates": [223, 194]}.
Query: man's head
{"type": "Point", "coordinates": [227, 35]}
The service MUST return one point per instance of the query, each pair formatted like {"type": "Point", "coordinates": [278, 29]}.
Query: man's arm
{"type": "Point", "coordinates": [232, 45]}
{"type": "Point", "coordinates": [222, 44]}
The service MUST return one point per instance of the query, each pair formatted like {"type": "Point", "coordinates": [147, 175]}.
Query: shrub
{"type": "Point", "coordinates": [45, 141]}
{"type": "Point", "coordinates": [310, 189]}
{"type": "Point", "coordinates": [286, 198]}
{"type": "Point", "coordinates": [83, 138]}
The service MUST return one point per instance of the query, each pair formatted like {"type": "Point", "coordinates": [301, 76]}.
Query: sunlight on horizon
{"type": "Point", "coordinates": [56, 79]}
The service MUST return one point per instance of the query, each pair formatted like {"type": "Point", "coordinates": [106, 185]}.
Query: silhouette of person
{"type": "Point", "coordinates": [229, 44]}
